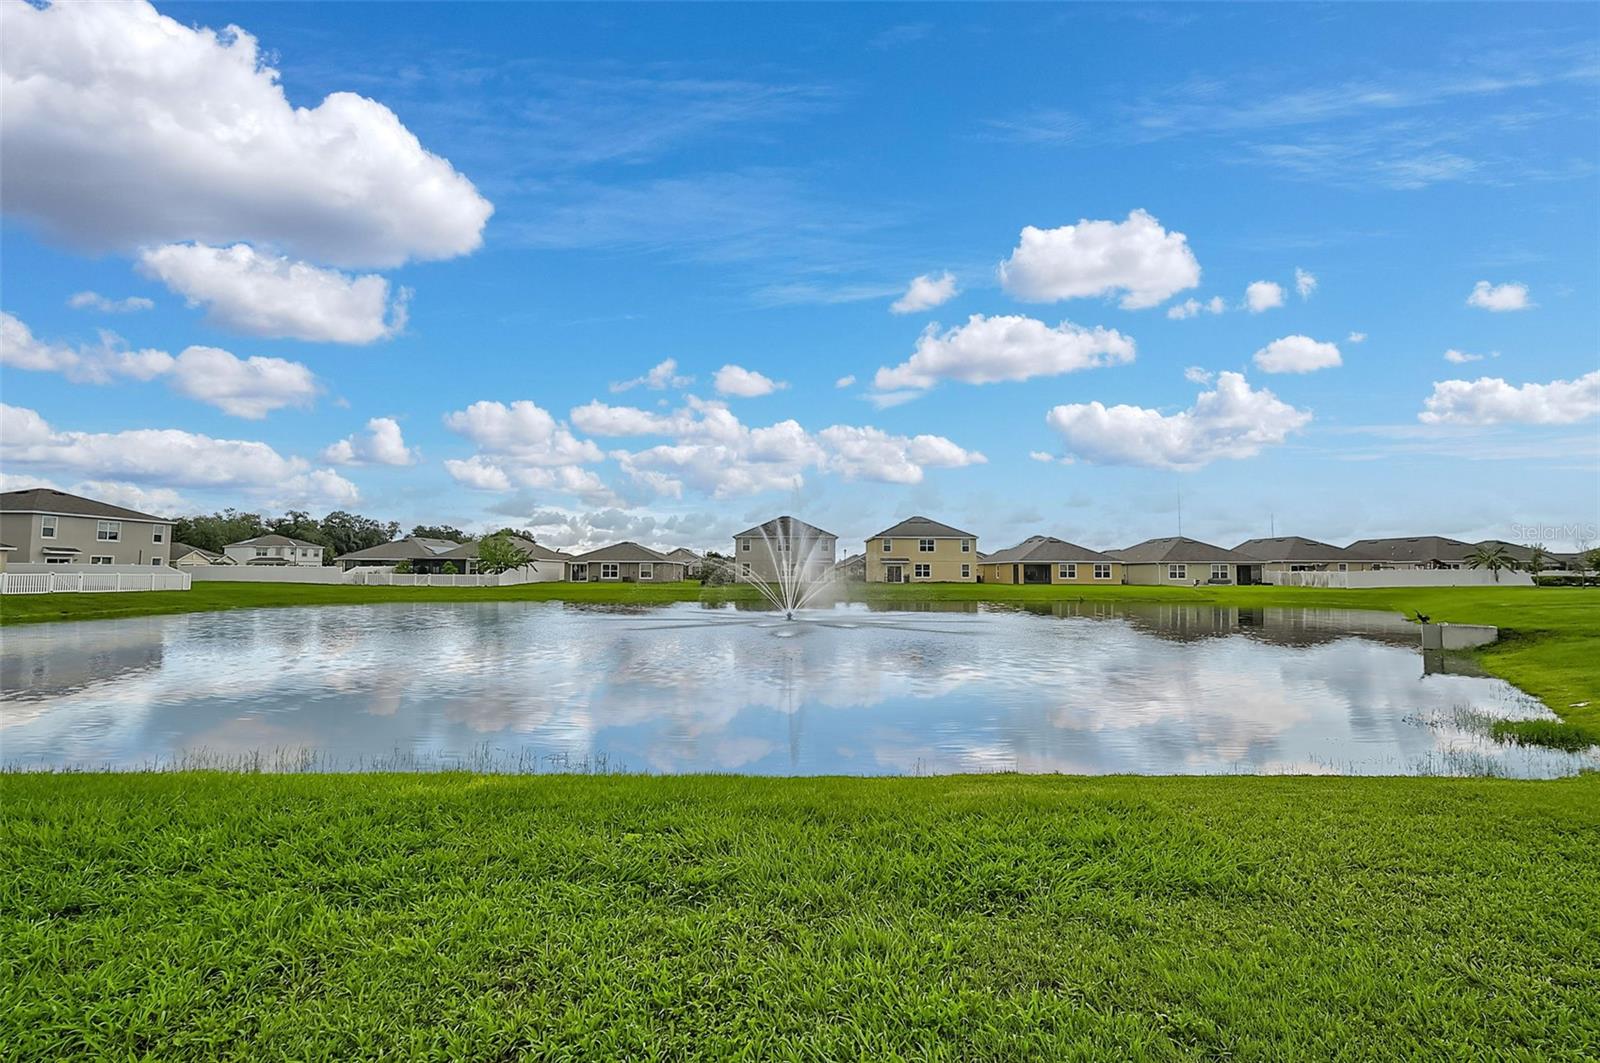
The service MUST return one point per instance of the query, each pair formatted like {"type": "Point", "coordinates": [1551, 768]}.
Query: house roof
{"type": "Point", "coordinates": [1295, 548]}
{"type": "Point", "coordinates": [684, 554]}
{"type": "Point", "coordinates": [1178, 549]}
{"type": "Point", "coordinates": [184, 550]}
{"type": "Point", "coordinates": [411, 548]}
{"type": "Point", "coordinates": [922, 528]}
{"type": "Point", "coordinates": [1522, 553]}
{"type": "Point", "coordinates": [628, 551]}
{"type": "Point", "coordinates": [469, 550]}
{"type": "Point", "coordinates": [273, 539]}
{"type": "Point", "coordinates": [49, 500]}
{"type": "Point", "coordinates": [1414, 548]}
{"type": "Point", "coordinates": [784, 527]}
{"type": "Point", "coordinates": [1044, 550]}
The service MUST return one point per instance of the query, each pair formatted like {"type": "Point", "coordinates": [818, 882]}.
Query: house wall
{"type": "Point", "coordinates": [1152, 574]}
{"type": "Point", "coordinates": [757, 553]}
{"type": "Point", "coordinates": [1002, 573]}
{"type": "Point", "coordinates": [294, 555]}
{"type": "Point", "coordinates": [136, 545]}
{"type": "Point", "coordinates": [1272, 568]}
{"type": "Point", "coordinates": [628, 572]}
{"type": "Point", "coordinates": [945, 560]}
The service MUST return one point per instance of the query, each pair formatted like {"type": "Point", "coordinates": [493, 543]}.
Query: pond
{"type": "Point", "coordinates": [513, 686]}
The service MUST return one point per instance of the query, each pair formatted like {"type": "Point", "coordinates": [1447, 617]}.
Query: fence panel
{"type": "Point", "coordinates": [80, 581]}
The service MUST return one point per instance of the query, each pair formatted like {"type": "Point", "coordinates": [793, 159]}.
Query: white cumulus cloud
{"type": "Point", "coordinates": [1297, 354]}
{"type": "Point", "coordinates": [1490, 400]}
{"type": "Point", "coordinates": [1356, 337]}
{"type": "Point", "coordinates": [1137, 257]}
{"type": "Point", "coordinates": [1304, 282]}
{"type": "Point", "coordinates": [1231, 421]}
{"type": "Point", "coordinates": [1499, 297]}
{"type": "Point", "coordinates": [1455, 357]}
{"type": "Point", "coordinates": [1194, 307]}
{"type": "Point", "coordinates": [382, 444]}
{"type": "Point", "coordinates": [662, 375]}
{"type": "Point", "coordinates": [522, 431]}
{"type": "Point", "coordinates": [121, 127]}
{"type": "Point", "coordinates": [1006, 347]}
{"type": "Point", "coordinates": [745, 383]}
{"type": "Point", "coordinates": [244, 387]}
{"type": "Point", "coordinates": [1260, 296]}
{"type": "Point", "coordinates": [107, 305]}
{"type": "Point", "coordinates": [925, 293]}
{"type": "Point", "coordinates": [846, 381]}
{"type": "Point", "coordinates": [260, 294]}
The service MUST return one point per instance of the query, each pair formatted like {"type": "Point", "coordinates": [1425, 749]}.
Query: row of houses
{"type": "Point", "coordinates": [45, 526]}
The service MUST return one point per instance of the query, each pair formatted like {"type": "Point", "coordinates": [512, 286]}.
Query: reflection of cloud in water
{"type": "Point", "coordinates": [1074, 687]}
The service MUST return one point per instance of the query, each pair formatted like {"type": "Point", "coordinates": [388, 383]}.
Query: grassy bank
{"type": "Point", "coordinates": [1550, 635]}
{"type": "Point", "coordinates": [1001, 917]}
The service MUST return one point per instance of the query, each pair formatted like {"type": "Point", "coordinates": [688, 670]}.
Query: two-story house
{"type": "Point", "coordinates": [788, 544]}
{"type": "Point", "coordinates": [49, 527]}
{"type": "Point", "coordinates": [273, 550]}
{"type": "Point", "coordinates": [919, 550]}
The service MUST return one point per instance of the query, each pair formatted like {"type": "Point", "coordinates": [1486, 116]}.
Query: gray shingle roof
{"type": "Point", "coordinates": [1044, 550]}
{"type": "Point", "coordinates": [408, 549]}
{"type": "Point", "coordinates": [469, 550]}
{"type": "Point", "coordinates": [1295, 548]}
{"type": "Point", "coordinates": [784, 526]}
{"type": "Point", "coordinates": [1414, 548]}
{"type": "Point", "coordinates": [922, 528]}
{"type": "Point", "coordinates": [276, 540]}
{"type": "Point", "coordinates": [684, 554]}
{"type": "Point", "coordinates": [184, 550]}
{"type": "Point", "coordinates": [628, 551]}
{"type": "Point", "coordinates": [1178, 549]}
{"type": "Point", "coordinates": [48, 500]}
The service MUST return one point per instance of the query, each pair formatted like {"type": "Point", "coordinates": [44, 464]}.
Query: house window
{"type": "Point", "coordinates": [1221, 572]}
{"type": "Point", "coordinates": [925, 545]}
{"type": "Point", "coordinates": [1069, 571]}
{"type": "Point", "coordinates": [647, 571]}
{"type": "Point", "coordinates": [159, 535]}
{"type": "Point", "coordinates": [1343, 567]}
{"type": "Point", "coordinates": [1102, 572]}
{"type": "Point", "coordinates": [744, 569]}
{"type": "Point", "coordinates": [610, 570]}
{"type": "Point", "coordinates": [261, 551]}
{"type": "Point", "coordinates": [744, 544]}
{"type": "Point", "coordinates": [966, 571]}
{"type": "Point", "coordinates": [155, 561]}
{"type": "Point", "coordinates": [101, 559]}
{"type": "Point", "coordinates": [47, 527]}
{"type": "Point", "coordinates": [888, 544]}
{"type": "Point", "coordinates": [966, 546]}
{"type": "Point", "coordinates": [922, 571]}
{"type": "Point", "coordinates": [1177, 571]}
{"type": "Point", "coordinates": [58, 560]}
{"type": "Point", "coordinates": [108, 531]}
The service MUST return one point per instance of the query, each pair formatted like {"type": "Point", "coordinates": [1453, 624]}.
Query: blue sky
{"type": "Point", "coordinates": [412, 273]}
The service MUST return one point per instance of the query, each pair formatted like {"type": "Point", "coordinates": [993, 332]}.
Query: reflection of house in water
{"type": "Point", "coordinates": [47, 662]}
{"type": "Point", "coordinates": [1189, 623]}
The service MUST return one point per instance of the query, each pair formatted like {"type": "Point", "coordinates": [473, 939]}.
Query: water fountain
{"type": "Point", "coordinates": [797, 569]}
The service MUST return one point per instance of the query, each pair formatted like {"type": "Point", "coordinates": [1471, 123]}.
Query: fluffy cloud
{"type": "Point", "coordinates": [248, 387]}
{"type": "Point", "coordinates": [990, 349]}
{"type": "Point", "coordinates": [745, 383]}
{"type": "Point", "coordinates": [382, 444]}
{"type": "Point", "coordinates": [1356, 337]}
{"type": "Point", "coordinates": [1305, 283]}
{"type": "Point", "coordinates": [259, 294]}
{"type": "Point", "coordinates": [169, 458]}
{"type": "Point", "coordinates": [1136, 257]}
{"type": "Point", "coordinates": [96, 301]}
{"type": "Point", "coordinates": [1231, 421]}
{"type": "Point", "coordinates": [1263, 295]}
{"type": "Point", "coordinates": [1196, 375]}
{"type": "Point", "coordinates": [1455, 357]}
{"type": "Point", "coordinates": [1193, 307]}
{"type": "Point", "coordinates": [1490, 400]}
{"type": "Point", "coordinates": [662, 375]}
{"type": "Point", "coordinates": [20, 349]}
{"type": "Point", "coordinates": [867, 453]}
{"type": "Point", "coordinates": [846, 381]}
{"type": "Point", "coordinates": [1297, 354]}
{"type": "Point", "coordinates": [925, 293]}
{"type": "Point", "coordinates": [122, 128]}
{"type": "Point", "coordinates": [1499, 297]}
{"type": "Point", "coordinates": [521, 431]}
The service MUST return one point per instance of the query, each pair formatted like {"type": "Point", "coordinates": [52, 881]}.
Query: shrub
{"type": "Point", "coordinates": [1567, 579]}
{"type": "Point", "coordinates": [449, 568]}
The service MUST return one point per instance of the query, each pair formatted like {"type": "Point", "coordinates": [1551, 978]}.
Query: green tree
{"type": "Point", "coordinates": [348, 532]}
{"type": "Point", "coordinates": [1492, 557]}
{"type": "Point", "coordinates": [1538, 558]}
{"type": "Point", "coordinates": [520, 533]}
{"type": "Point", "coordinates": [213, 531]}
{"type": "Point", "coordinates": [440, 531]}
{"type": "Point", "coordinates": [449, 569]}
{"type": "Point", "coordinates": [403, 568]}
{"type": "Point", "coordinates": [1590, 560]}
{"type": "Point", "coordinates": [500, 553]}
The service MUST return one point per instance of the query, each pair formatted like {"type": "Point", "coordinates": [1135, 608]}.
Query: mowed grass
{"type": "Point", "coordinates": [210, 916]}
{"type": "Point", "coordinates": [1550, 636]}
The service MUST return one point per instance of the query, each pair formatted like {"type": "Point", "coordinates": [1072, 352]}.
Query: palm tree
{"type": "Point", "coordinates": [1490, 556]}
{"type": "Point", "coordinates": [1538, 558]}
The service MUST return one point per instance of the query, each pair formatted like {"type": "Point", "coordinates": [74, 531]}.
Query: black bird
{"type": "Point", "coordinates": [1423, 618]}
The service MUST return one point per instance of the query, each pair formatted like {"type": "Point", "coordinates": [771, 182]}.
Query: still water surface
{"type": "Point", "coordinates": [1074, 687]}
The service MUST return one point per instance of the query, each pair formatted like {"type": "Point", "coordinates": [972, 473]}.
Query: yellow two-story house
{"type": "Point", "coordinates": [919, 550]}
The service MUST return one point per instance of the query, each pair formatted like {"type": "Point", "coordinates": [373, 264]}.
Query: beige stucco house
{"type": "Point", "coordinates": [1046, 559]}
{"type": "Point", "coordinates": [811, 551]}
{"type": "Point", "coordinates": [186, 556]}
{"type": "Point", "coordinates": [623, 562]}
{"type": "Point", "coordinates": [1184, 561]}
{"type": "Point", "coordinates": [1295, 553]}
{"type": "Point", "coordinates": [49, 527]}
{"type": "Point", "coordinates": [274, 550]}
{"type": "Point", "coordinates": [919, 550]}
{"type": "Point", "coordinates": [1415, 551]}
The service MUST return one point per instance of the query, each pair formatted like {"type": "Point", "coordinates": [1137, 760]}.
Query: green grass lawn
{"type": "Point", "coordinates": [1550, 635]}
{"type": "Point", "coordinates": [992, 917]}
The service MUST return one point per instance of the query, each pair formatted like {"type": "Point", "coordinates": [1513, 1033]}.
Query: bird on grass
{"type": "Point", "coordinates": [1423, 618]}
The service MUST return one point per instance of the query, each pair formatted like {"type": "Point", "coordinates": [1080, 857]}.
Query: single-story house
{"type": "Point", "coordinates": [626, 562]}
{"type": "Point", "coordinates": [788, 541]}
{"type": "Point", "coordinates": [853, 567]}
{"type": "Point", "coordinates": [692, 562]}
{"type": "Point", "coordinates": [186, 556]}
{"type": "Point", "coordinates": [1417, 551]}
{"type": "Point", "coordinates": [1296, 553]}
{"type": "Point", "coordinates": [1046, 559]}
{"type": "Point", "coordinates": [425, 555]}
{"type": "Point", "coordinates": [920, 550]}
{"type": "Point", "coordinates": [548, 565]}
{"type": "Point", "coordinates": [1178, 559]}
{"type": "Point", "coordinates": [1522, 554]}
{"type": "Point", "coordinates": [274, 549]}
{"type": "Point", "coordinates": [49, 527]}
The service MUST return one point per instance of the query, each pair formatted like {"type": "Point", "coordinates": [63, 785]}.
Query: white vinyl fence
{"type": "Point", "coordinates": [86, 581]}
{"type": "Point", "coordinates": [367, 577]}
{"type": "Point", "coordinates": [1402, 577]}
